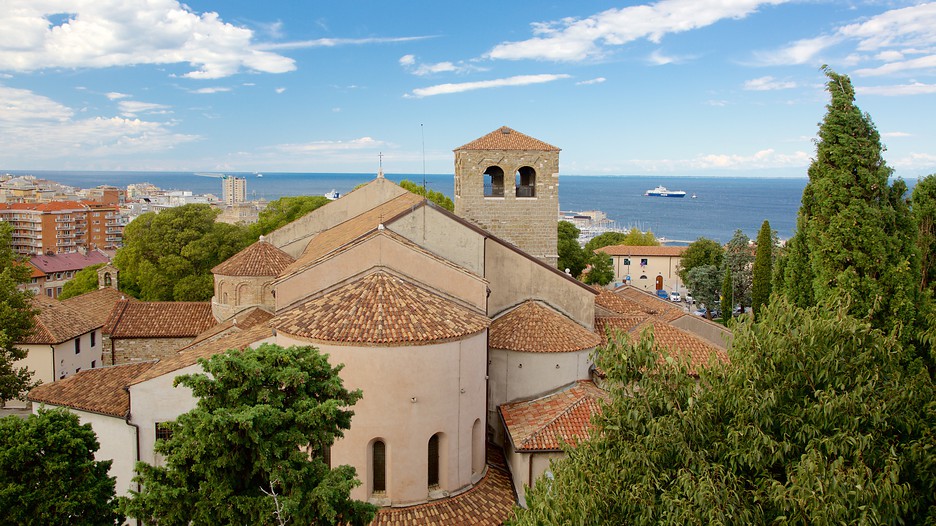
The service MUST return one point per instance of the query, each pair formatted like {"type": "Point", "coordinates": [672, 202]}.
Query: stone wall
{"type": "Point", "coordinates": [236, 293]}
{"type": "Point", "coordinates": [528, 222]}
{"type": "Point", "coordinates": [129, 350]}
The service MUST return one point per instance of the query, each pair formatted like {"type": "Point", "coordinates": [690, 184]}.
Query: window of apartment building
{"type": "Point", "coordinates": [627, 261]}
{"type": "Point", "coordinates": [162, 431]}
{"type": "Point", "coordinates": [58, 291]}
{"type": "Point", "coordinates": [58, 275]}
{"type": "Point", "coordinates": [643, 262]}
{"type": "Point", "coordinates": [78, 345]}
{"type": "Point", "coordinates": [48, 292]}
{"type": "Point", "coordinates": [379, 468]}
{"type": "Point", "coordinates": [93, 337]}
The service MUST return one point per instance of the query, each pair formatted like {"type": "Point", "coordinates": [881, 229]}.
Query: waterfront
{"type": "Point", "coordinates": [723, 204]}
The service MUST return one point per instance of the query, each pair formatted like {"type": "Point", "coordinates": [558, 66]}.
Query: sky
{"type": "Point", "coordinates": [672, 87]}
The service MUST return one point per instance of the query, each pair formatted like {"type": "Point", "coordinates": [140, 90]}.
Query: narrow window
{"type": "Point", "coordinates": [380, 466]}
{"type": "Point", "coordinates": [93, 364]}
{"type": "Point", "coordinates": [434, 460]}
{"type": "Point", "coordinates": [627, 261]}
{"type": "Point", "coordinates": [643, 262]}
{"type": "Point", "coordinates": [93, 338]}
{"type": "Point", "coordinates": [78, 345]}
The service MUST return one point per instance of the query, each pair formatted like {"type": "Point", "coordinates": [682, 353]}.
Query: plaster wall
{"type": "Point", "coordinates": [410, 394]}
{"type": "Point", "coordinates": [515, 278]}
{"type": "Point", "coordinates": [382, 251]}
{"type": "Point", "coordinates": [156, 400]}
{"type": "Point", "coordinates": [427, 227]}
{"type": "Point", "coordinates": [527, 468]}
{"type": "Point", "coordinates": [644, 276]}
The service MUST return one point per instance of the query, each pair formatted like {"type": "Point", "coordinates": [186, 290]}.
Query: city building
{"type": "Point", "coordinates": [52, 271]}
{"type": "Point", "coordinates": [647, 268]}
{"type": "Point", "coordinates": [62, 226]}
{"type": "Point", "coordinates": [234, 190]}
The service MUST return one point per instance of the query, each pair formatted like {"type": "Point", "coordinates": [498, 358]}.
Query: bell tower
{"type": "Point", "coordinates": [508, 183]}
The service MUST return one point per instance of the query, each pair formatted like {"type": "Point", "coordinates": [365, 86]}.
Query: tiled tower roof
{"type": "Point", "coordinates": [380, 309]}
{"type": "Point", "coordinates": [259, 259]}
{"type": "Point", "coordinates": [505, 138]}
{"type": "Point", "coordinates": [532, 327]}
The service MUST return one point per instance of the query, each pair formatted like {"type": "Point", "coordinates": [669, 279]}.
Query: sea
{"type": "Point", "coordinates": [721, 205]}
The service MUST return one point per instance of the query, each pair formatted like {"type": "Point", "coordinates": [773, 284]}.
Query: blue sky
{"type": "Point", "coordinates": [672, 87]}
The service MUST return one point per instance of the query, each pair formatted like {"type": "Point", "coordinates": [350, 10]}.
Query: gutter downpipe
{"type": "Point", "coordinates": [136, 429]}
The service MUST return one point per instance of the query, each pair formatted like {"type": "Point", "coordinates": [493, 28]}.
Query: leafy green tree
{"type": "Point", "coordinates": [283, 211]}
{"type": "Point", "coordinates": [16, 318]}
{"type": "Point", "coordinates": [169, 256]}
{"type": "Point", "coordinates": [705, 283]}
{"type": "Point", "coordinates": [634, 238]}
{"type": "Point", "coordinates": [433, 195]}
{"type": "Point", "coordinates": [249, 453]}
{"type": "Point", "coordinates": [48, 475]}
{"type": "Point", "coordinates": [571, 255]}
{"type": "Point", "coordinates": [923, 205]}
{"type": "Point", "coordinates": [601, 271]}
{"type": "Point", "coordinates": [702, 251]}
{"type": "Point", "coordinates": [739, 259]}
{"type": "Point", "coordinates": [727, 296]}
{"type": "Point", "coordinates": [762, 273]}
{"type": "Point", "coordinates": [855, 235]}
{"type": "Point", "coordinates": [85, 280]}
{"type": "Point", "coordinates": [815, 421]}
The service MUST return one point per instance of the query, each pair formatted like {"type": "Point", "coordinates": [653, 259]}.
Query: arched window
{"type": "Point", "coordinates": [477, 447]}
{"type": "Point", "coordinates": [107, 279]}
{"type": "Point", "coordinates": [379, 467]}
{"type": "Point", "coordinates": [434, 460]}
{"type": "Point", "coordinates": [494, 182]}
{"type": "Point", "coordinates": [525, 180]}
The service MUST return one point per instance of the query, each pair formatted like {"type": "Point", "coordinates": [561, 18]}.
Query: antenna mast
{"type": "Point", "coordinates": [423, 132]}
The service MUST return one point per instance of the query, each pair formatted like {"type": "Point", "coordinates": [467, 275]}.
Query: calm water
{"type": "Point", "coordinates": [723, 204]}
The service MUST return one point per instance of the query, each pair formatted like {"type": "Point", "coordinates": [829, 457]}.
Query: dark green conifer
{"type": "Point", "coordinates": [762, 272]}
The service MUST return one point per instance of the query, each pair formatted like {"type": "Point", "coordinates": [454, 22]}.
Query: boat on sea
{"type": "Point", "coordinates": [334, 194]}
{"type": "Point", "coordinates": [661, 191]}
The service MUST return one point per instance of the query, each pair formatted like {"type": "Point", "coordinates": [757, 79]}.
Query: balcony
{"type": "Point", "coordinates": [64, 227]}
{"type": "Point", "coordinates": [64, 243]}
{"type": "Point", "coordinates": [116, 231]}
{"type": "Point", "coordinates": [65, 236]}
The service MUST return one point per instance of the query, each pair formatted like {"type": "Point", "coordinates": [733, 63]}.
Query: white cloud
{"type": "Point", "coordinates": [410, 63]}
{"type": "Point", "coordinates": [35, 127]}
{"type": "Point", "coordinates": [519, 80]}
{"type": "Point", "coordinates": [279, 90]}
{"type": "Point", "coordinates": [573, 39]}
{"type": "Point", "coordinates": [716, 103]}
{"type": "Point", "coordinates": [596, 80]}
{"type": "Point", "coordinates": [763, 159]}
{"type": "Point", "coordinates": [916, 88]}
{"type": "Point", "coordinates": [916, 161]}
{"type": "Point", "coordinates": [805, 51]}
{"type": "Point", "coordinates": [113, 95]}
{"type": "Point", "coordinates": [407, 60]}
{"type": "Point", "coordinates": [335, 42]}
{"type": "Point", "coordinates": [131, 108]}
{"type": "Point", "coordinates": [896, 134]}
{"type": "Point", "coordinates": [899, 66]}
{"type": "Point", "coordinates": [768, 83]}
{"type": "Point", "coordinates": [208, 91]}
{"type": "Point", "coordinates": [362, 143]}
{"type": "Point", "coordinates": [109, 33]}
{"type": "Point", "coordinates": [909, 26]}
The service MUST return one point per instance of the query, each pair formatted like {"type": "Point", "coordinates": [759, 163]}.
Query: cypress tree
{"type": "Point", "coordinates": [763, 261]}
{"type": "Point", "coordinates": [855, 235]}
{"type": "Point", "coordinates": [727, 300]}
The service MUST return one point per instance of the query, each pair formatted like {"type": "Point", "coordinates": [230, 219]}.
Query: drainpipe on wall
{"type": "Point", "coordinates": [136, 433]}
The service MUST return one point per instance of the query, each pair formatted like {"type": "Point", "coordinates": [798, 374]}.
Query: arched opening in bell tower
{"type": "Point", "coordinates": [525, 181]}
{"type": "Point", "coordinates": [494, 182]}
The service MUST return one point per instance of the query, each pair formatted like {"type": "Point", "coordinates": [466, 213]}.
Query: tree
{"type": "Point", "coordinates": [815, 421]}
{"type": "Point", "coordinates": [435, 196]}
{"type": "Point", "coordinates": [762, 273]}
{"type": "Point", "coordinates": [727, 296]}
{"type": "Point", "coordinates": [855, 235]}
{"type": "Point", "coordinates": [250, 451]}
{"type": "Point", "coordinates": [48, 475]}
{"type": "Point", "coordinates": [634, 238]}
{"type": "Point", "coordinates": [705, 283]}
{"type": "Point", "coordinates": [169, 256]}
{"type": "Point", "coordinates": [702, 251]}
{"type": "Point", "coordinates": [571, 255]}
{"type": "Point", "coordinates": [283, 211]}
{"type": "Point", "coordinates": [85, 280]}
{"type": "Point", "coordinates": [739, 260]}
{"type": "Point", "coordinates": [16, 318]}
{"type": "Point", "coordinates": [923, 204]}
{"type": "Point", "coordinates": [601, 271]}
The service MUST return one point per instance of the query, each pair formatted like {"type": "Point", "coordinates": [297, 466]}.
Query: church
{"type": "Point", "coordinates": [473, 352]}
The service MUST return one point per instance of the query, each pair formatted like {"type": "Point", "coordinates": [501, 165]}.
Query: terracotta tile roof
{"type": "Point", "coordinates": [565, 416]}
{"type": "Point", "coordinates": [243, 320]}
{"type": "Point", "coordinates": [505, 138]}
{"type": "Point", "coordinates": [490, 502]}
{"type": "Point", "coordinates": [637, 250]}
{"type": "Point", "coordinates": [619, 304]}
{"type": "Point", "coordinates": [650, 303]}
{"type": "Point", "coordinates": [51, 206]}
{"type": "Point", "coordinates": [343, 233]}
{"type": "Point", "coordinates": [615, 324]}
{"type": "Point", "coordinates": [380, 309]}
{"type": "Point", "coordinates": [96, 390]}
{"type": "Point", "coordinates": [533, 327]}
{"type": "Point", "coordinates": [682, 344]}
{"type": "Point", "coordinates": [159, 319]}
{"type": "Point", "coordinates": [259, 259]}
{"type": "Point", "coordinates": [238, 339]}
{"type": "Point", "coordinates": [97, 304]}
{"type": "Point", "coordinates": [57, 322]}
{"type": "Point", "coordinates": [69, 261]}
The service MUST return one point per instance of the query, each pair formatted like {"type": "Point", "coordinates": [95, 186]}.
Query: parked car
{"type": "Point", "coordinates": [688, 298]}
{"type": "Point", "coordinates": [662, 294]}
{"type": "Point", "coordinates": [674, 296]}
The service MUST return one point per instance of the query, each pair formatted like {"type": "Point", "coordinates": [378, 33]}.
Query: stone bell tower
{"type": "Point", "coordinates": [508, 183]}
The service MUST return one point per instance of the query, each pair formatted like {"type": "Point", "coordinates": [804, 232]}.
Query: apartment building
{"type": "Point", "coordinates": [62, 226]}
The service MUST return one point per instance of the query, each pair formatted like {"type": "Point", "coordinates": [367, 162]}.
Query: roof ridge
{"type": "Point", "coordinates": [585, 398]}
